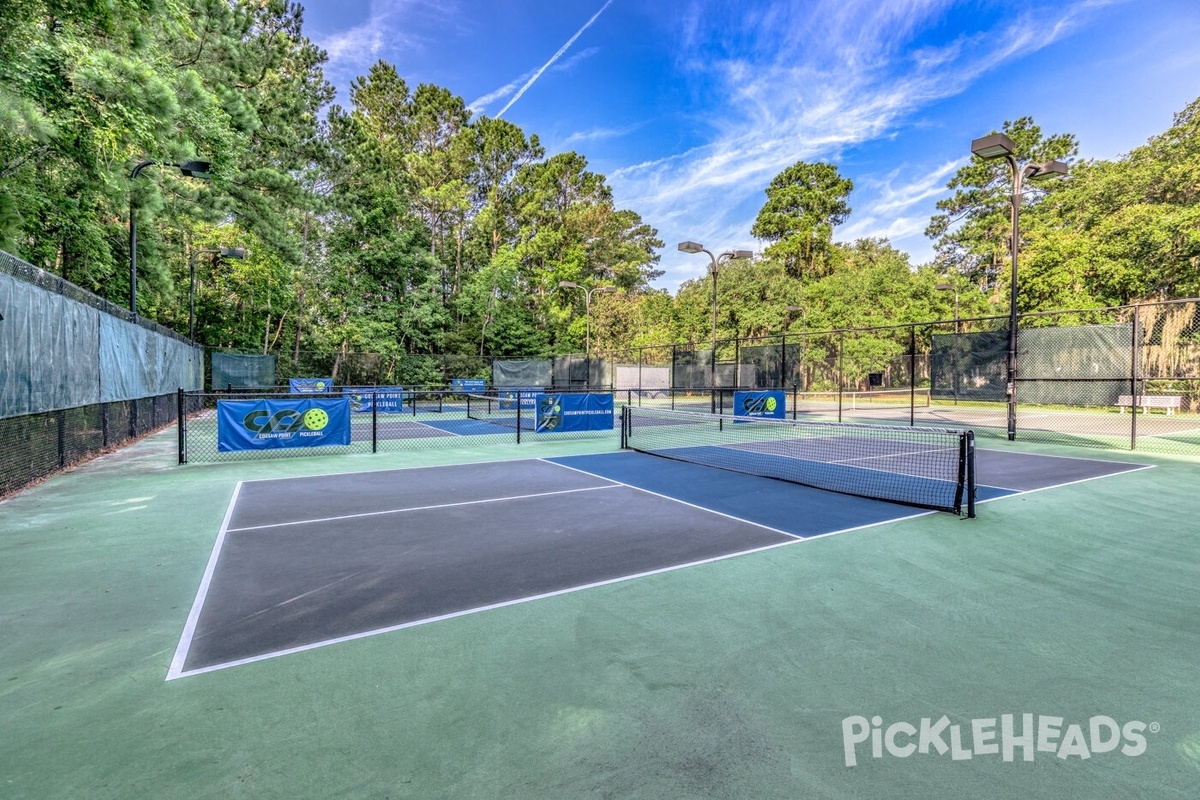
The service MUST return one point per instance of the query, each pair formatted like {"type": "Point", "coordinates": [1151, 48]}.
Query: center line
{"type": "Point", "coordinates": [421, 508]}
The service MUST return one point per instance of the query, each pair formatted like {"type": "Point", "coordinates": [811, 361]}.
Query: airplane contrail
{"type": "Point", "coordinates": [554, 58]}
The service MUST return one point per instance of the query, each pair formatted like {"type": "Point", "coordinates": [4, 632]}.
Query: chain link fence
{"type": "Point", "coordinates": [1124, 377]}
{"type": "Point", "coordinates": [79, 376]}
{"type": "Point", "coordinates": [421, 420]}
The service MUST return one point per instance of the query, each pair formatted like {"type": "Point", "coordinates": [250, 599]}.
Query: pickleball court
{"type": "Point", "coordinates": [306, 562]}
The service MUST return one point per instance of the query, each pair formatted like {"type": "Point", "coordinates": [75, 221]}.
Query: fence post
{"type": "Point", "coordinates": [912, 375]}
{"type": "Point", "coordinates": [841, 376]}
{"type": "Point", "coordinates": [1135, 374]}
{"type": "Point", "coordinates": [179, 425]}
{"type": "Point", "coordinates": [61, 420]}
{"type": "Point", "coordinates": [783, 362]}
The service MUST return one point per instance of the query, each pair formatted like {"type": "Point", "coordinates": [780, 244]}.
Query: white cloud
{"type": "Point", "coordinates": [558, 55]}
{"type": "Point", "coordinates": [599, 134]}
{"type": "Point", "coordinates": [390, 26]}
{"type": "Point", "coordinates": [814, 82]}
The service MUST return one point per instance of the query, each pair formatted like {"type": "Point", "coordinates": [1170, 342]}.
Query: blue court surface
{"type": "Point", "coordinates": [306, 562]}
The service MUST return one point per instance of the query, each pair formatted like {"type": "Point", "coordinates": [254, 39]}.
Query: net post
{"type": "Point", "coordinates": [969, 446]}
{"type": "Point", "coordinates": [520, 396]}
{"type": "Point", "coordinates": [625, 427]}
{"type": "Point", "coordinates": [375, 419]}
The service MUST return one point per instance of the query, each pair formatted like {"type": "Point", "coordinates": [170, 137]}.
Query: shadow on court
{"type": "Point", "coordinates": [305, 562]}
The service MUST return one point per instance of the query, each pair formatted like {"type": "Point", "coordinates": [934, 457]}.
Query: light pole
{"type": "Point", "coordinates": [192, 169]}
{"type": "Point", "coordinates": [223, 252]}
{"type": "Point", "coordinates": [587, 315]}
{"type": "Point", "coordinates": [717, 261]}
{"type": "Point", "coordinates": [803, 341]}
{"type": "Point", "coordinates": [695, 247]}
{"type": "Point", "coordinates": [950, 287]}
{"type": "Point", "coordinates": [997, 145]}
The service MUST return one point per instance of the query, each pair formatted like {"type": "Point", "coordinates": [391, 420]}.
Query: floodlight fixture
{"type": "Point", "coordinates": [191, 169]}
{"type": "Point", "coordinates": [587, 314]}
{"type": "Point", "coordinates": [224, 252]}
{"type": "Point", "coordinates": [998, 145]}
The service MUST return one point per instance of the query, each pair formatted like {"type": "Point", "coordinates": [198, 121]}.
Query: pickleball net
{"type": "Point", "coordinates": [514, 411]}
{"type": "Point", "coordinates": [918, 466]}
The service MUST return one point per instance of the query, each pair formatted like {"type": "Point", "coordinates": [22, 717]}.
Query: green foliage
{"type": "Point", "coordinates": [405, 226]}
{"type": "Point", "coordinates": [972, 234]}
{"type": "Point", "coordinates": [804, 204]}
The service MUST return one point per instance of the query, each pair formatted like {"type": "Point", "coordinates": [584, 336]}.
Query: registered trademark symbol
{"type": "Point", "coordinates": [1154, 727]}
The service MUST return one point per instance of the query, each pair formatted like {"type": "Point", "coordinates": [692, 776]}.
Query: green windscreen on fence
{"type": "Point", "coordinates": [48, 350]}
{"type": "Point", "coordinates": [135, 362]}
{"type": "Point", "coordinates": [1084, 365]}
{"type": "Point", "coordinates": [242, 371]}
{"type": "Point", "coordinates": [579, 371]}
{"type": "Point", "coordinates": [522, 374]}
{"type": "Point", "coordinates": [57, 352]}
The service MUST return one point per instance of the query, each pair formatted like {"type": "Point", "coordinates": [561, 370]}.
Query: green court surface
{"type": "Point", "coordinates": [1070, 615]}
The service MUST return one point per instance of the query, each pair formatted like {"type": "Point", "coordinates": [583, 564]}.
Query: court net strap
{"type": "Point", "coordinates": [918, 466]}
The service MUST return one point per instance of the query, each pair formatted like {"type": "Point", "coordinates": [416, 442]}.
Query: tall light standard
{"type": "Point", "coordinates": [997, 145]}
{"type": "Point", "coordinates": [717, 261]}
{"type": "Point", "coordinates": [950, 287]}
{"type": "Point", "coordinates": [695, 247]}
{"type": "Point", "coordinates": [223, 252]}
{"type": "Point", "coordinates": [587, 314]}
{"type": "Point", "coordinates": [192, 169]}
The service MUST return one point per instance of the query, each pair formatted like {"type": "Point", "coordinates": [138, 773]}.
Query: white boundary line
{"type": "Point", "coordinates": [407, 422]}
{"type": "Point", "coordinates": [1069, 458]}
{"type": "Point", "coordinates": [189, 628]}
{"type": "Point", "coordinates": [441, 617]}
{"type": "Point", "coordinates": [1018, 492]}
{"type": "Point", "coordinates": [176, 670]}
{"type": "Point", "coordinates": [742, 520]}
{"type": "Point", "coordinates": [612, 485]}
{"type": "Point", "coordinates": [388, 469]}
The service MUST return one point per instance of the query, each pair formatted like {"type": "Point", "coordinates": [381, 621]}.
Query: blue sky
{"type": "Point", "coordinates": [691, 107]}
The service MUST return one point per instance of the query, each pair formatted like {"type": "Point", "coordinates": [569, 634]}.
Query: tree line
{"type": "Point", "coordinates": [404, 223]}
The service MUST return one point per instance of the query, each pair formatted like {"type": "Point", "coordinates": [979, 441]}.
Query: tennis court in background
{"type": "Point", "coordinates": [306, 562]}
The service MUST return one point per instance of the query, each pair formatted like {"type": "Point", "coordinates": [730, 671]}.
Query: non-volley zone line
{"type": "Point", "coordinates": [412, 509]}
{"type": "Point", "coordinates": [282, 578]}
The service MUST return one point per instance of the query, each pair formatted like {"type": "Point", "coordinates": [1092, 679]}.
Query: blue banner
{"type": "Point", "coordinates": [310, 385]}
{"type": "Point", "coordinates": [385, 399]}
{"type": "Point", "coordinates": [510, 397]}
{"type": "Point", "coordinates": [566, 413]}
{"type": "Point", "coordinates": [760, 404]}
{"type": "Point", "coordinates": [270, 424]}
{"type": "Point", "coordinates": [468, 385]}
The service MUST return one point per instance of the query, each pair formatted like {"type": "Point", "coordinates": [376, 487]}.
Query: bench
{"type": "Point", "coordinates": [1171, 402]}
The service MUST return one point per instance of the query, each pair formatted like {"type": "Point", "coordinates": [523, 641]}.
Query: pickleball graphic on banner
{"type": "Point", "coordinates": [271, 424]}
{"type": "Point", "coordinates": [759, 404]}
{"type": "Point", "coordinates": [310, 385]}
{"type": "Point", "coordinates": [565, 413]}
